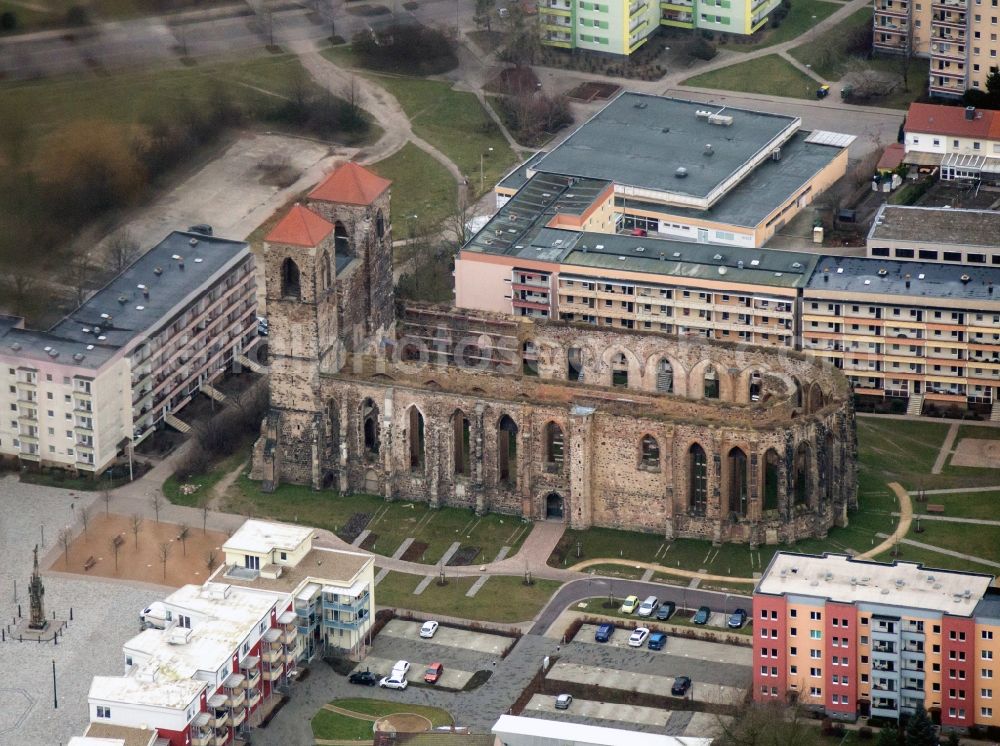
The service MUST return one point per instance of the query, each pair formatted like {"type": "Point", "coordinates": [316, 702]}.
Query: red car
{"type": "Point", "coordinates": [638, 231]}
{"type": "Point", "coordinates": [433, 673]}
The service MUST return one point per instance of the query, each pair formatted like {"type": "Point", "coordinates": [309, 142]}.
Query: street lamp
{"type": "Point", "coordinates": [482, 177]}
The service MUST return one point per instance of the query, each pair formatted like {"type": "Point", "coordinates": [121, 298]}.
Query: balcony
{"type": "Point", "coordinates": [218, 718]}
{"type": "Point", "coordinates": [239, 716]}
{"type": "Point", "coordinates": [253, 679]}
{"type": "Point", "coordinates": [272, 655]}
{"type": "Point", "coordinates": [202, 737]}
{"type": "Point", "coordinates": [273, 674]}
{"type": "Point", "coordinates": [235, 698]}
{"type": "Point", "coordinates": [288, 635]}
{"type": "Point", "coordinates": [637, 8]}
{"type": "Point", "coordinates": [253, 697]}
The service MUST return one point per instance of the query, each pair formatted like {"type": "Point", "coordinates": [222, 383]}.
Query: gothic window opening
{"type": "Point", "coordinates": [830, 461]}
{"type": "Point", "coordinates": [711, 383]}
{"type": "Point", "coordinates": [649, 453]}
{"type": "Point", "coordinates": [379, 224]}
{"type": "Point", "coordinates": [802, 458]}
{"type": "Point", "coordinates": [507, 450]}
{"type": "Point", "coordinates": [341, 243]}
{"type": "Point", "coordinates": [291, 286]}
{"type": "Point", "coordinates": [697, 479]}
{"type": "Point", "coordinates": [415, 433]}
{"type": "Point", "coordinates": [815, 398]}
{"type": "Point", "coordinates": [664, 377]}
{"type": "Point", "coordinates": [771, 466]}
{"type": "Point", "coordinates": [619, 370]}
{"type": "Point", "coordinates": [574, 364]}
{"type": "Point", "coordinates": [462, 433]}
{"type": "Point", "coordinates": [755, 388]}
{"type": "Point", "coordinates": [369, 419]}
{"type": "Point", "coordinates": [554, 445]}
{"type": "Point", "coordinates": [326, 280]}
{"type": "Point", "coordinates": [529, 359]}
{"type": "Point", "coordinates": [739, 494]}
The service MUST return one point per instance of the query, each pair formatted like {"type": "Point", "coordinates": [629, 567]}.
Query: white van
{"type": "Point", "coordinates": [154, 615]}
{"type": "Point", "coordinates": [647, 607]}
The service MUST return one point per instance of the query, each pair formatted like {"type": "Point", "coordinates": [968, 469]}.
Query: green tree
{"type": "Point", "coordinates": [993, 90]}
{"type": "Point", "coordinates": [953, 739]}
{"type": "Point", "coordinates": [888, 736]}
{"type": "Point", "coordinates": [920, 730]}
{"type": "Point", "coordinates": [484, 14]}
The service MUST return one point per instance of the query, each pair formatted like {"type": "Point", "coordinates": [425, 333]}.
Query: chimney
{"type": "Point", "coordinates": [970, 113]}
{"type": "Point", "coordinates": [907, 280]}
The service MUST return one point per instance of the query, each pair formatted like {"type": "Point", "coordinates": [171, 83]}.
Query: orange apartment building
{"type": "Point", "coordinates": [851, 637]}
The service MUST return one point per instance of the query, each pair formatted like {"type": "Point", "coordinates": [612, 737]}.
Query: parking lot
{"type": "Point", "coordinates": [668, 722]}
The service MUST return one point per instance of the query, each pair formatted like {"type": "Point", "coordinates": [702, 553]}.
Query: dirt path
{"type": "Point", "coordinates": [222, 486]}
{"type": "Point", "coordinates": [902, 528]}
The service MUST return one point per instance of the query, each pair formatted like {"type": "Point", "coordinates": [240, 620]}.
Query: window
{"type": "Point", "coordinates": [815, 654]}
{"type": "Point", "coordinates": [987, 655]}
{"type": "Point", "coordinates": [103, 712]}
{"type": "Point", "coordinates": [649, 457]}
{"type": "Point", "coordinates": [815, 634]}
{"type": "Point", "coordinates": [816, 615]}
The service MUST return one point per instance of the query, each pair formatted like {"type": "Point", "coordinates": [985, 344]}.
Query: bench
{"type": "Point", "coordinates": [935, 508]}
{"type": "Point", "coordinates": [119, 540]}
{"type": "Point", "coordinates": [89, 563]}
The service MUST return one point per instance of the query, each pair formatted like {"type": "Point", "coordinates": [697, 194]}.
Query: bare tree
{"type": "Point", "coordinates": [135, 523]}
{"type": "Point", "coordinates": [77, 276]}
{"type": "Point", "coordinates": [65, 539]}
{"type": "Point", "coordinates": [156, 499]}
{"type": "Point", "coordinates": [183, 535]}
{"type": "Point", "coordinates": [115, 546]}
{"type": "Point", "coordinates": [122, 248]}
{"type": "Point", "coordinates": [84, 514]}
{"type": "Point", "coordinates": [210, 560]}
{"type": "Point", "coordinates": [204, 518]}
{"type": "Point", "coordinates": [164, 553]}
{"type": "Point", "coordinates": [106, 496]}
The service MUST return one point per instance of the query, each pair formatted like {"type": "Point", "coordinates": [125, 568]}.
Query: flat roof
{"type": "Point", "coordinates": [882, 277]}
{"type": "Point", "coordinates": [174, 694]}
{"type": "Point", "coordinates": [119, 312]}
{"type": "Point", "coordinates": [936, 225]}
{"type": "Point", "coordinates": [90, 741]}
{"type": "Point", "coordinates": [641, 140]}
{"type": "Point", "coordinates": [577, 734]}
{"type": "Point", "coordinates": [130, 736]}
{"type": "Point", "coordinates": [517, 177]}
{"type": "Point", "coordinates": [320, 565]}
{"type": "Point", "coordinates": [266, 536]}
{"type": "Point", "coordinates": [837, 577]}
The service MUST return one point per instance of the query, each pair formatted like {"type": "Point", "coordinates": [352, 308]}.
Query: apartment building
{"type": "Point", "coordinates": [854, 637]}
{"type": "Point", "coordinates": [229, 646]}
{"type": "Point", "coordinates": [963, 144]}
{"type": "Point", "coordinates": [958, 36]}
{"type": "Point", "coordinates": [125, 362]}
{"type": "Point", "coordinates": [927, 332]}
{"type": "Point", "coordinates": [620, 27]}
{"type": "Point", "coordinates": [935, 234]}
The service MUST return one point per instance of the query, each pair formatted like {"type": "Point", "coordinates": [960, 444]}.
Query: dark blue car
{"type": "Point", "coordinates": [657, 640]}
{"type": "Point", "coordinates": [604, 632]}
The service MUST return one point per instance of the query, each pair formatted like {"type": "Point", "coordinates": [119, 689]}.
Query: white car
{"type": "Point", "coordinates": [393, 682]}
{"type": "Point", "coordinates": [428, 629]}
{"type": "Point", "coordinates": [400, 670]}
{"type": "Point", "coordinates": [638, 637]}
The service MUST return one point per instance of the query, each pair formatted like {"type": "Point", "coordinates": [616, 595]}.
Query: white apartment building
{"type": "Point", "coordinates": [106, 376]}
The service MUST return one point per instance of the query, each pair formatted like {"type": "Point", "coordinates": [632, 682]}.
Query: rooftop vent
{"type": "Point", "coordinates": [681, 172]}
{"type": "Point", "coordinates": [78, 356]}
{"type": "Point", "coordinates": [599, 246]}
{"type": "Point", "coordinates": [703, 114]}
{"type": "Point", "coordinates": [754, 262]}
{"type": "Point", "coordinates": [868, 282]}
{"type": "Point", "coordinates": [708, 149]}
{"type": "Point", "coordinates": [175, 257]}
{"type": "Point", "coordinates": [882, 272]}
{"type": "Point", "coordinates": [722, 270]}
{"type": "Point", "coordinates": [796, 265]}
{"type": "Point", "coordinates": [85, 330]}
{"type": "Point", "coordinates": [920, 276]}
{"type": "Point", "coordinates": [677, 255]}
{"type": "Point", "coordinates": [717, 257]}
{"type": "Point", "coordinates": [623, 258]}
{"type": "Point", "coordinates": [53, 353]}
{"type": "Point", "coordinates": [101, 338]}
{"type": "Point", "coordinates": [739, 264]}
{"type": "Point", "coordinates": [970, 113]}
{"type": "Point", "coordinates": [640, 249]}
{"type": "Point", "coordinates": [722, 120]}
{"type": "Point", "coordinates": [776, 154]}
{"type": "Point", "coordinates": [105, 316]}
{"type": "Point", "coordinates": [964, 279]}
{"type": "Point", "coordinates": [158, 271]}
{"type": "Point", "coordinates": [193, 241]}
{"type": "Point", "coordinates": [122, 299]}
{"type": "Point", "coordinates": [907, 278]}
{"type": "Point", "coordinates": [778, 274]}
{"type": "Point", "coordinates": [665, 130]}
{"type": "Point", "coordinates": [15, 346]}
{"type": "Point", "coordinates": [140, 308]}
{"type": "Point", "coordinates": [90, 347]}
{"type": "Point", "coordinates": [640, 105]}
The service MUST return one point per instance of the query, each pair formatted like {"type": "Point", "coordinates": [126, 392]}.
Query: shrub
{"type": "Point", "coordinates": [8, 21]}
{"type": "Point", "coordinates": [702, 49]}
{"type": "Point", "coordinates": [410, 49]}
{"type": "Point", "coordinates": [77, 15]}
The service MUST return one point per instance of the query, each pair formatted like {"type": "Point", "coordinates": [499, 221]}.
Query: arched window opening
{"type": "Point", "coordinates": [771, 466]}
{"type": "Point", "coordinates": [798, 392]}
{"type": "Point", "coordinates": [462, 433]}
{"type": "Point", "coordinates": [369, 419]}
{"type": "Point", "coordinates": [379, 224]}
{"type": "Point", "coordinates": [697, 479]}
{"type": "Point", "coordinates": [802, 475]}
{"type": "Point", "coordinates": [755, 386]}
{"type": "Point", "coordinates": [831, 460]}
{"type": "Point", "coordinates": [649, 454]}
{"type": "Point", "coordinates": [415, 433]}
{"type": "Point", "coordinates": [507, 450]}
{"type": "Point", "coordinates": [529, 359]}
{"type": "Point", "coordinates": [711, 383]}
{"type": "Point", "coordinates": [326, 280]}
{"type": "Point", "coordinates": [664, 377]}
{"type": "Point", "coordinates": [554, 445]}
{"type": "Point", "coordinates": [619, 370]}
{"type": "Point", "coordinates": [574, 364]}
{"type": "Point", "coordinates": [291, 286]}
{"type": "Point", "coordinates": [815, 398]}
{"type": "Point", "coordinates": [739, 494]}
{"type": "Point", "coordinates": [341, 243]}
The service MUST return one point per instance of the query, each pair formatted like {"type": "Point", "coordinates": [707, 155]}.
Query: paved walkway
{"type": "Point", "coordinates": [802, 68]}
{"type": "Point", "coordinates": [579, 566]}
{"type": "Point", "coordinates": [949, 552]}
{"type": "Point", "coordinates": [902, 528]}
{"type": "Point", "coordinates": [948, 519]}
{"type": "Point", "coordinates": [949, 443]}
{"type": "Point", "coordinates": [956, 490]}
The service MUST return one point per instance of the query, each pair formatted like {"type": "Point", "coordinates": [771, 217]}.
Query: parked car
{"type": "Point", "coordinates": [604, 632]}
{"type": "Point", "coordinates": [563, 701]}
{"type": "Point", "coordinates": [681, 686]}
{"type": "Point", "coordinates": [428, 629]}
{"type": "Point", "coordinates": [666, 610]}
{"type": "Point", "coordinates": [737, 619]}
{"type": "Point", "coordinates": [638, 637]}
{"type": "Point", "coordinates": [702, 615]}
{"type": "Point", "coordinates": [393, 681]}
{"type": "Point", "coordinates": [630, 604]}
{"type": "Point", "coordinates": [365, 678]}
{"type": "Point", "coordinates": [401, 668]}
{"type": "Point", "coordinates": [647, 607]}
{"type": "Point", "coordinates": [433, 673]}
{"type": "Point", "coordinates": [823, 91]}
{"type": "Point", "coordinates": [154, 615]}
{"type": "Point", "coordinates": [657, 640]}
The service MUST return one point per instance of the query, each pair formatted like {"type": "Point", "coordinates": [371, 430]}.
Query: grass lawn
{"type": "Point", "coordinates": [827, 56]}
{"type": "Point", "coordinates": [965, 504]}
{"type": "Point", "coordinates": [933, 559]}
{"type": "Point", "coordinates": [32, 16]}
{"type": "Point", "coordinates": [335, 726]}
{"type": "Point", "coordinates": [617, 571]}
{"type": "Point", "coordinates": [390, 522]}
{"type": "Point", "coordinates": [977, 433]}
{"type": "Point", "coordinates": [503, 598]}
{"type": "Point", "coordinates": [205, 482]}
{"type": "Point", "coordinates": [420, 186]}
{"type": "Point", "coordinates": [770, 75]}
{"type": "Point", "coordinates": [977, 540]}
{"type": "Point", "coordinates": [803, 15]}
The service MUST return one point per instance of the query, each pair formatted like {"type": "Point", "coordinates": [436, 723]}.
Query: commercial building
{"type": "Point", "coordinates": [964, 144]}
{"type": "Point", "coordinates": [958, 36]}
{"type": "Point", "coordinates": [935, 234]}
{"type": "Point", "coordinates": [852, 637]}
{"type": "Point", "coordinates": [127, 360]}
{"type": "Point", "coordinates": [620, 27]}
{"type": "Point", "coordinates": [513, 730]}
{"type": "Point", "coordinates": [230, 645]}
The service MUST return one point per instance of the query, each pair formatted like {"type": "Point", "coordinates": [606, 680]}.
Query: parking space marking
{"type": "Point", "coordinates": [480, 642]}
{"type": "Point", "coordinates": [586, 708]}
{"type": "Point", "coordinates": [451, 678]}
{"type": "Point", "coordinates": [631, 681]}
{"type": "Point", "coordinates": [699, 649]}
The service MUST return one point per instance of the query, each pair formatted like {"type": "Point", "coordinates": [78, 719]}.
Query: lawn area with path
{"type": "Point", "coordinates": [803, 15]}
{"type": "Point", "coordinates": [340, 723]}
{"type": "Point", "coordinates": [420, 186]}
{"type": "Point", "coordinates": [828, 56]}
{"type": "Point", "coordinates": [769, 75]}
{"type": "Point", "coordinates": [504, 598]}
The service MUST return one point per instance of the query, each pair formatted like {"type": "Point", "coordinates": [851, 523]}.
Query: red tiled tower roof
{"type": "Point", "coordinates": [351, 184]}
{"type": "Point", "coordinates": [300, 227]}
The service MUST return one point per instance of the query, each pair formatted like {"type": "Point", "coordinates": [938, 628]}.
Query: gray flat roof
{"type": "Point", "coordinates": [518, 176]}
{"type": "Point", "coordinates": [927, 279]}
{"type": "Point", "coordinates": [929, 225]}
{"type": "Point", "coordinates": [769, 185]}
{"type": "Point", "coordinates": [87, 338]}
{"type": "Point", "coordinates": [641, 140]}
